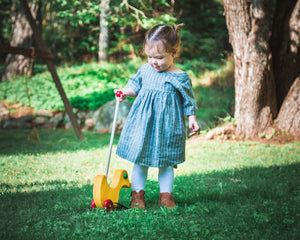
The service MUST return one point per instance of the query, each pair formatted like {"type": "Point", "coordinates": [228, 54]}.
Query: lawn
{"type": "Point", "coordinates": [229, 190]}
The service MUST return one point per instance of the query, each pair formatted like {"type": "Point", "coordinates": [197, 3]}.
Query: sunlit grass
{"type": "Point", "coordinates": [223, 76]}
{"type": "Point", "coordinates": [213, 156]}
{"type": "Point", "coordinates": [229, 190]}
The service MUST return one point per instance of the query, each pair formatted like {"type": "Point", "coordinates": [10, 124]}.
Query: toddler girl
{"type": "Point", "coordinates": [154, 132]}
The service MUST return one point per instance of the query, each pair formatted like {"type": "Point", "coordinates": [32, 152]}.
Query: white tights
{"type": "Point", "coordinates": [165, 178]}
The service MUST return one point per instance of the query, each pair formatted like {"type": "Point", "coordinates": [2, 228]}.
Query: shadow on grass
{"type": "Point", "coordinates": [252, 203]}
{"type": "Point", "coordinates": [16, 141]}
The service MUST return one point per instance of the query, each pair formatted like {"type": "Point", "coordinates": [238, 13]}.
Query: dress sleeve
{"type": "Point", "coordinates": [135, 82]}
{"type": "Point", "coordinates": [184, 86]}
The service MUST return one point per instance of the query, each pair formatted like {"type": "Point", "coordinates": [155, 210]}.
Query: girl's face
{"type": "Point", "coordinates": [158, 58]}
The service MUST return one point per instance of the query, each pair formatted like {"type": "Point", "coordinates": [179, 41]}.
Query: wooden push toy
{"type": "Point", "coordinates": [106, 196]}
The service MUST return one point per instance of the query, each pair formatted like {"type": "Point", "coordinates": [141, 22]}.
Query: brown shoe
{"type": "Point", "coordinates": [166, 200]}
{"type": "Point", "coordinates": [138, 199]}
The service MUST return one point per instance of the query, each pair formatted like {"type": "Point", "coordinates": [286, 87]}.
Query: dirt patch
{"type": "Point", "coordinates": [17, 111]}
{"type": "Point", "coordinates": [227, 133]}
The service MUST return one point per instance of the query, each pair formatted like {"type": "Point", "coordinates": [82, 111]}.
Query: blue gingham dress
{"type": "Point", "coordinates": [154, 133]}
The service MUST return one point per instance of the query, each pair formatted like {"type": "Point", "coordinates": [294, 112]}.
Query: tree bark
{"type": "Point", "coordinates": [287, 60]}
{"type": "Point", "coordinates": [22, 37]}
{"type": "Point", "coordinates": [103, 33]}
{"type": "Point", "coordinates": [285, 45]}
{"type": "Point", "coordinates": [289, 115]}
{"type": "Point", "coordinates": [255, 99]}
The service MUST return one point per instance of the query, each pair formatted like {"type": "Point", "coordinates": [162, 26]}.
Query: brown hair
{"type": "Point", "coordinates": [168, 35]}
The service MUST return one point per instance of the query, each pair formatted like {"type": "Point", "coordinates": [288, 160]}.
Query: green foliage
{"type": "Point", "coordinates": [5, 24]}
{"type": "Point", "coordinates": [74, 32]}
{"type": "Point", "coordinates": [77, 25]}
{"type": "Point", "coordinates": [71, 28]}
{"type": "Point", "coordinates": [163, 19]}
{"type": "Point", "coordinates": [230, 190]}
{"type": "Point", "coordinates": [88, 86]}
{"type": "Point", "coordinates": [205, 29]}
{"type": "Point", "coordinates": [195, 46]}
{"type": "Point", "coordinates": [129, 20]}
{"type": "Point", "coordinates": [214, 104]}
{"type": "Point", "coordinates": [197, 67]}
{"type": "Point", "coordinates": [41, 92]}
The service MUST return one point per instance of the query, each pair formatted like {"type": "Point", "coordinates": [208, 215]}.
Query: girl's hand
{"type": "Point", "coordinates": [193, 125]}
{"type": "Point", "coordinates": [126, 92]}
{"type": "Point", "coordinates": [123, 96]}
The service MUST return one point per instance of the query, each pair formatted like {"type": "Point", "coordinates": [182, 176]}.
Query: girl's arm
{"type": "Point", "coordinates": [127, 92]}
{"type": "Point", "coordinates": [193, 125]}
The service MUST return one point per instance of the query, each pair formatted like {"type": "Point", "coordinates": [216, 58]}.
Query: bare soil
{"type": "Point", "coordinates": [272, 135]}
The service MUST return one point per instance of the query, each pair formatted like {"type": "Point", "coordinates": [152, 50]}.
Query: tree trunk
{"type": "Point", "coordinates": [289, 115]}
{"type": "Point", "coordinates": [103, 33]}
{"type": "Point", "coordinates": [255, 99]}
{"type": "Point", "coordinates": [285, 45]}
{"type": "Point", "coordinates": [22, 37]}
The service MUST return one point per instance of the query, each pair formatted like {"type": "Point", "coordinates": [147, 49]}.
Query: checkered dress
{"type": "Point", "coordinates": [154, 132]}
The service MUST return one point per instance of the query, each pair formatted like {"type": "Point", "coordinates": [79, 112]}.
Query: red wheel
{"type": "Point", "coordinates": [93, 205]}
{"type": "Point", "coordinates": [109, 205]}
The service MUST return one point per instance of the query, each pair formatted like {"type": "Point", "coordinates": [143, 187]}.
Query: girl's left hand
{"type": "Point", "coordinates": [193, 125]}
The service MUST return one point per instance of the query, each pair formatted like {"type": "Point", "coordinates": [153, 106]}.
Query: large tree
{"type": "Point", "coordinates": [266, 54]}
{"type": "Point", "coordinates": [22, 37]}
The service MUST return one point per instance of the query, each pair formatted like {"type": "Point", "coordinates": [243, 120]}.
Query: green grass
{"type": "Point", "coordinates": [230, 190]}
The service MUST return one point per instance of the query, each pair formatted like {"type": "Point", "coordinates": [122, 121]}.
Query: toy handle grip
{"type": "Point", "coordinates": [119, 93]}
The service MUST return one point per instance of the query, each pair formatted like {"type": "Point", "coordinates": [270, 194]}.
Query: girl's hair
{"type": "Point", "coordinates": [168, 35]}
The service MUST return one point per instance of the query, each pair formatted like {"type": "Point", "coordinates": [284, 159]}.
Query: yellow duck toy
{"type": "Point", "coordinates": [103, 192]}
{"type": "Point", "coordinates": [106, 196]}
